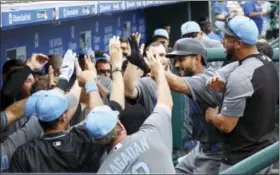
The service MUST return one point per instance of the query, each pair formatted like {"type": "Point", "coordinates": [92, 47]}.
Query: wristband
{"type": "Point", "coordinates": [62, 84]}
{"type": "Point", "coordinates": [91, 86]}
{"type": "Point", "coordinates": [116, 70]}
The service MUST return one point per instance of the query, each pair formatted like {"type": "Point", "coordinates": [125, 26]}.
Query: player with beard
{"type": "Point", "coordinates": [190, 60]}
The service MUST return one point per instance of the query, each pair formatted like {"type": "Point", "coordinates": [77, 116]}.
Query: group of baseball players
{"type": "Point", "coordinates": [114, 115]}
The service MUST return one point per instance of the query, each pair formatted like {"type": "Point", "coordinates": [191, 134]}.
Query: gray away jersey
{"type": "Point", "coordinates": [148, 151]}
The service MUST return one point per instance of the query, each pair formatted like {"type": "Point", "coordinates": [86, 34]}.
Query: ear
{"type": "Point", "coordinates": [200, 35]}
{"type": "Point", "coordinates": [198, 59]}
{"type": "Point", "coordinates": [121, 125]}
{"type": "Point", "coordinates": [238, 44]}
{"type": "Point", "coordinates": [63, 118]}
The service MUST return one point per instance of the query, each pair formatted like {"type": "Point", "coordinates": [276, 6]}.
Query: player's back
{"type": "Point", "coordinates": [141, 153]}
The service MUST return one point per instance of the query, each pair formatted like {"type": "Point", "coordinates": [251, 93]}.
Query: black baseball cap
{"type": "Point", "coordinates": [189, 46]}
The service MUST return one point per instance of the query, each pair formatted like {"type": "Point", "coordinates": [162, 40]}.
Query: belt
{"type": "Point", "coordinates": [211, 147]}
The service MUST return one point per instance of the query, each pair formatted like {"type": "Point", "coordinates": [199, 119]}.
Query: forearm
{"type": "Point", "coordinates": [253, 14]}
{"type": "Point", "coordinates": [76, 92]}
{"type": "Point", "coordinates": [176, 83]}
{"type": "Point", "coordinates": [130, 79]}
{"type": "Point", "coordinates": [117, 93]}
{"type": "Point", "coordinates": [102, 90]}
{"type": "Point", "coordinates": [94, 98]}
{"type": "Point", "coordinates": [15, 111]}
{"type": "Point", "coordinates": [219, 121]}
{"type": "Point", "coordinates": [163, 92]}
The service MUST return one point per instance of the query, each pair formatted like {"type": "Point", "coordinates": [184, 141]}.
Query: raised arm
{"type": "Point", "coordinates": [117, 92]}
{"type": "Point", "coordinates": [164, 98]}
{"type": "Point", "coordinates": [131, 76]}
{"type": "Point", "coordinates": [176, 83]}
{"type": "Point", "coordinates": [12, 114]}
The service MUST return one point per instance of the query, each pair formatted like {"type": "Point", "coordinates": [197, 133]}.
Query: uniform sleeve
{"type": "Point", "coordinates": [248, 8]}
{"type": "Point", "coordinates": [238, 89]}
{"type": "Point", "coordinates": [146, 91]}
{"type": "Point", "coordinates": [30, 131]}
{"type": "Point", "coordinates": [3, 121]}
{"type": "Point", "coordinates": [199, 91]}
{"type": "Point", "coordinates": [160, 120]}
{"type": "Point", "coordinates": [225, 71]}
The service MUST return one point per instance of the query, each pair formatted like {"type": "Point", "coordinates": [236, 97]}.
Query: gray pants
{"type": "Point", "coordinates": [199, 162]}
{"type": "Point", "coordinates": [264, 171]}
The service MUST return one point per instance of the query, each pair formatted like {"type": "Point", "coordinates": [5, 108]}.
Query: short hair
{"type": "Point", "coordinates": [41, 84]}
{"type": "Point", "coordinates": [12, 65]}
{"type": "Point", "coordinates": [109, 138]}
{"type": "Point", "coordinates": [51, 62]}
{"type": "Point", "coordinates": [190, 35]}
{"type": "Point", "coordinates": [104, 61]}
{"type": "Point", "coordinates": [265, 48]}
{"type": "Point", "coordinates": [155, 44]}
{"type": "Point", "coordinates": [49, 125]}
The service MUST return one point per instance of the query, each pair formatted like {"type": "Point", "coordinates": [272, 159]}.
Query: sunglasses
{"type": "Point", "coordinates": [228, 28]}
{"type": "Point", "coordinates": [103, 71]}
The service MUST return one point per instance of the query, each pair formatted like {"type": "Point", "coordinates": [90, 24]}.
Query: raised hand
{"type": "Point", "coordinates": [67, 67]}
{"type": "Point", "coordinates": [116, 59]}
{"type": "Point", "coordinates": [136, 57]}
{"type": "Point", "coordinates": [216, 83]}
{"type": "Point", "coordinates": [89, 64]}
{"type": "Point", "coordinates": [85, 76]}
{"type": "Point", "coordinates": [37, 61]}
{"type": "Point", "coordinates": [154, 64]}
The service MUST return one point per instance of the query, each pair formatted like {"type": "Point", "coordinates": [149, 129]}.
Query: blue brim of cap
{"type": "Point", "coordinates": [221, 26]}
{"type": "Point", "coordinates": [178, 53]}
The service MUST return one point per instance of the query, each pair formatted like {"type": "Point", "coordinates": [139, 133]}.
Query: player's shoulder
{"type": "Point", "coordinates": [30, 147]}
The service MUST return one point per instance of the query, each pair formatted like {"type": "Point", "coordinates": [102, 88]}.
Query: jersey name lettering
{"type": "Point", "coordinates": [127, 156]}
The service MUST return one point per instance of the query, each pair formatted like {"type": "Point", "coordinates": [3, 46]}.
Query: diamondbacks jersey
{"type": "Point", "coordinates": [148, 151]}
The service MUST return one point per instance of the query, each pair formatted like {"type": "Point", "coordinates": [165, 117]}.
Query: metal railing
{"type": "Point", "coordinates": [256, 162]}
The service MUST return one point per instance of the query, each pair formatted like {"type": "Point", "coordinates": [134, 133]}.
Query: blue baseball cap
{"type": "Point", "coordinates": [48, 105]}
{"type": "Point", "coordinates": [161, 33]}
{"type": "Point", "coordinates": [240, 27]}
{"type": "Point", "coordinates": [101, 121]}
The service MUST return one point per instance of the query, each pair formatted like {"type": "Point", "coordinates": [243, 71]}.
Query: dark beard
{"type": "Point", "coordinates": [188, 73]}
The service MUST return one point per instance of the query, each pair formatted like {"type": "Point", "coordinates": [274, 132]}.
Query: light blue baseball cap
{"type": "Point", "coordinates": [101, 121]}
{"type": "Point", "coordinates": [190, 27]}
{"type": "Point", "coordinates": [48, 105]}
{"type": "Point", "coordinates": [240, 27]}
{"type": "Point", "coordinates": [161, 33]}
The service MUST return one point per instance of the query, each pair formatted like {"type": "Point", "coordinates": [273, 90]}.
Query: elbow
{"type": "Point", "coordinates": [180, 89]}
{"type": "Point", "coordinates": [131, 93]}
{"type": "Point", "coordinates": [226, 130]}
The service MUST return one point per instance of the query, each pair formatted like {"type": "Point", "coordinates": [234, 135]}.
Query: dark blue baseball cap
{"type": "Point", "coordinates": [240, 27]}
